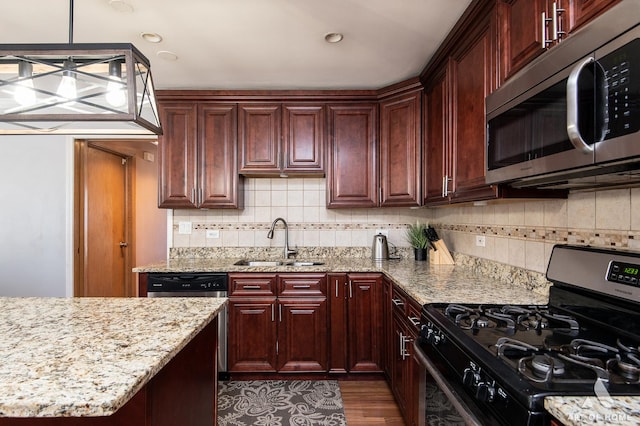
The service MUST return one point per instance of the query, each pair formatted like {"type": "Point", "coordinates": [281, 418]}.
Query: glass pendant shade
{"type": "Point", "coordinates": [76, 89]}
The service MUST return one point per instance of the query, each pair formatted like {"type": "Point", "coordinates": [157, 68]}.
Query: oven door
{"type": "Point", "coordinates": [445, 402]}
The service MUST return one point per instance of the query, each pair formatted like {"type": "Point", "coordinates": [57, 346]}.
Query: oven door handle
{"type": "Point", "coordinates": [469, 418]}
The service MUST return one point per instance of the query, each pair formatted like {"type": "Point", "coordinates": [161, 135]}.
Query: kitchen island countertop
{"type": "Point", "coordinates": [66, 357]}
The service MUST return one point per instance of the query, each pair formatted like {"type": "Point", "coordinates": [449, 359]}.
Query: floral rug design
{"type": "Point", "coordinates": [280, 403]}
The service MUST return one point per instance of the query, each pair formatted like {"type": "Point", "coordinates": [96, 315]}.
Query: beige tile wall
{"type": "Point", "coordinates": [302, 203]}
{"type": "Point", "coordinates": [523, 233]}
{"type": "Point", "coordinates": [520, 233]}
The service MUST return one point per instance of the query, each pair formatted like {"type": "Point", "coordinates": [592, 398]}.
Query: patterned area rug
{"type": "Point", "coordinates": [439, 410]}
{"type": "Point", "coordinates": [280, 403]}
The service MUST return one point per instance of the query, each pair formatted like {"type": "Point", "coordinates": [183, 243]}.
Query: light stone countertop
{"type": "Point", "coordinates": [471, 280]}
{"type": "Point", "coordinates": [425, 282]}
{"type": "Point", "coordinates": [89, 356]}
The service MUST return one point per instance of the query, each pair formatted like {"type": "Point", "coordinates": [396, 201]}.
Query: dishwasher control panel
{"type": "Point", "coordinates": [181, 282]}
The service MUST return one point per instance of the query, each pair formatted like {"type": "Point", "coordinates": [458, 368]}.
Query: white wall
{"type": "Point", "coordinates": [35, 217]}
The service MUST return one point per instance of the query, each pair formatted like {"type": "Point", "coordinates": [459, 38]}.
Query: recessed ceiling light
{"type": "Point", "coordinates": [333, 37]}
{"type": "Point", "coordinates": [121, 6]}
{"type": "Point", "coordinates": [151, 37]}
{"type": "Point", "coordinates": [169, 56]}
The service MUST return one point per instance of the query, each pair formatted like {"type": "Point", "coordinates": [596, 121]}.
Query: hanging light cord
{"type": "Point", "coordinates": [70, 21]}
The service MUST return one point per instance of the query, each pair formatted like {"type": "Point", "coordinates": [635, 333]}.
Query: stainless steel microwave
{"type": "Point", "coordinates": [571, 119]}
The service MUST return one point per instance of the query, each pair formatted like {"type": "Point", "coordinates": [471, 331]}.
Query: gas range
{"type": "Point", "coordinates": [503, 360]}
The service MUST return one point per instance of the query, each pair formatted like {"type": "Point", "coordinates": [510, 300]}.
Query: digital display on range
{"type": "Point", "coordinates": [623, 273]}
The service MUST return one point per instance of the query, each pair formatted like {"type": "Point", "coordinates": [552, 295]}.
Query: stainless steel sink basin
{"type": "Point", "coordinates": [255, 262]}
{"type": "Point", "coordinates": [246, 262]}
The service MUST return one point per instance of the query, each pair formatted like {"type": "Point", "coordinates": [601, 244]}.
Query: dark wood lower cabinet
{"type": "Point", "coordinates": [252, 335]}
{"type": "Point", "coordinates": [302, 335]}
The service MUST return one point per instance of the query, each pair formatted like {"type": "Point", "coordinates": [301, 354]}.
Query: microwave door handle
{"type": "Point", "coordinates": [572, 108]}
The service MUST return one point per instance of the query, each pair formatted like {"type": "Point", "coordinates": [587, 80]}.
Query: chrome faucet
{"type": "Point", "coordinates": [287, 251]}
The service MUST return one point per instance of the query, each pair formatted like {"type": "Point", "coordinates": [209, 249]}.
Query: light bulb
{"type": "Point", "coordinates": [67, 88]}
{"type": "Point", "coordinates": [24, 93]}
{"type": "Point", "coordinates": [116, 95]}
{"type": "Point", "coordinates": [115, 92]}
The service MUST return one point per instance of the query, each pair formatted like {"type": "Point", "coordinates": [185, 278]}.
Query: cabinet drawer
{"type": "Point", "coordinates": [399, 301]}
{"type": "Point", "coordinates": [414, 311]}
{"type": "Point", "coordinates": [252, 285]}
{"type": "Point", "coordinates": [302, 285]}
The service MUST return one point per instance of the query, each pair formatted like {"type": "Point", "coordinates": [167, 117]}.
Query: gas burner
{"type": "Point", "coordinates": [542, 364]}
{"type": "Point", "coordinates": [482, 323]}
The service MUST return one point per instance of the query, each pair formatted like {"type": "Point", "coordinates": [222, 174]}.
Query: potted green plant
{"type": "Point", "coordinates": [417, 237]}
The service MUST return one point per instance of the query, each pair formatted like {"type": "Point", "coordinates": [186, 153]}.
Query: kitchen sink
{"type": "Point", "coordinates": [253, 262]}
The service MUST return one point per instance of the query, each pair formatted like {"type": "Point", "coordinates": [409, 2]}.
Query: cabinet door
{"type": "Point", "coordinates": [469, 89]}
{"type": "Point", "coordinates": [400, 151]}
{"type": "Point", "coordinates": [302, 334]}
{"type": "Point", "coordinates": [387, 328]}
{"type": "Point", "coordinates": [585, 10]}
{"type": "Point", "coordinates": [436, 163]}
{"type": "Point", "coordinates": [399, 364]}
{"type": "Point", "coordinates": [364, 322]}
{"type": "Point", "coordinates": [218, 161]}
{"type": "Point", "coordinates": [337, 297]}
{"type": "Point", "coordinates": [520, 26]}
{"type": "Point", "coordinates": [259, 133]}
{"type": "Point", "coordinates": [252, 334]}
{"type": "Point", "coordinates": [177, 155]}
{"type": "Point", "coordinates": [303, 129]}
{"type": "Point", "coordinates": [352, 160]}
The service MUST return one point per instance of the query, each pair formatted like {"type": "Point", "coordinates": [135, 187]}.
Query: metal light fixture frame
{"type": "Point", "coordinates": [89, 112]}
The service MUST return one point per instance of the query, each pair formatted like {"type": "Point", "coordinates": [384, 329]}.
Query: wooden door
{"type": "Point", "coordinates": [177, 170]}
{"type": "Point", "coordinates": [104, 261]}
{"type": "Point", "coordinates": [585, 10]}
{"type": "Point", "coordinates": [365, 322]}
{"type": "Point", "coordinates": [303, 139]}
{"type": "Point", "coordinates": [259, 128]}
{"type": "Point", "coordinates": [400, 151]}
{"type": "Point", "coordinates": [352, 173]}
{"type": "Point", "coordinates": [302, 334]}
{"type": "Point", "coordinates": [437, 133]}
{"type": "Point", "coordinates": [252, 334]}
{"type": "Point", "coordinates": [218, 183]}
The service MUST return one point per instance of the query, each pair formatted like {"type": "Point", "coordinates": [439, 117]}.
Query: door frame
{"type": "Point", "coordinates": [79, 250]}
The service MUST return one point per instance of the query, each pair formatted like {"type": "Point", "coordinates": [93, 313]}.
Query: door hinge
{"type": "Point", "coordinates": [124, 161]}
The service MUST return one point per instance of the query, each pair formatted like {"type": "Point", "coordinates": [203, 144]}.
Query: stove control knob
{"type": "Point", "coordinates": [470, 377]}
{"type": "Point", "coordinates": [485, 392]}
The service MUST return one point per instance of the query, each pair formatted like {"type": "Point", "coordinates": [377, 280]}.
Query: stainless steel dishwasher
{"type": "Point", "coordinates": [196, 285]}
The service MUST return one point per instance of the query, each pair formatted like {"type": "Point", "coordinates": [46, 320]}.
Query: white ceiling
{"type": "Point", "coordinates": [251, 44]}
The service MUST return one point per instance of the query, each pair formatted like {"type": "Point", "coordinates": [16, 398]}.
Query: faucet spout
{"type": "Point", "coordinates": [287, 251]}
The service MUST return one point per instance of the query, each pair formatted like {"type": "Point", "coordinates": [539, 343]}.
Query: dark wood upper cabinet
{"type": "Point", "coordinates": [527, 28]}
{"type": "Point", "coordinates": [281, 139]}
{"type": "Point", "coordinates": [177, 155]}
{"type": "Point", "coordinates": [400, 150]}
{"type": "Point", "coordinates": [352, 176]}
{"type": "Point", "coordinates": [436, 140]}
{"type": "Point", "coordinates": [197, 156]}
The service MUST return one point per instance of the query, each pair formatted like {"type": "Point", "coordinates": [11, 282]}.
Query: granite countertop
{"type": "Point", "coordinates": [466, 282]}
{"type": "Point", "coordinates": [88, 356]}
{"type": "Point", "coordinates": [425, 282]}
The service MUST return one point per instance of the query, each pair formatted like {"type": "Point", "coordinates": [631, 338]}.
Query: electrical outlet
{"type": "Point", "coordinates": [184, 227]}
{"type": "Point", "coordinates": [480, 241]}
{"type": "Point", "coordinates": [213, 233]}
{"type": "Point", "coordinates": [384, 232]}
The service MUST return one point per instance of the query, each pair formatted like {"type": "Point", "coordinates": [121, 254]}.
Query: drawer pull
{"type": "Point", "coordinates": [397, 302]}
{"type": "Point", "coordinates": [251, 287]}
{"type": "Point", "coordinates": [302, 286]}
{"type": "Point", "coordinates": [414, 320]}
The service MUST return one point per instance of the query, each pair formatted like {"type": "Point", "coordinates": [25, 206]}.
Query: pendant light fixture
{"type": "Point", "coordinates": [76, 88]}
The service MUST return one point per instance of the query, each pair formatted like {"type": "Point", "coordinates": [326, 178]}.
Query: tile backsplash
{"type": "Point", "coordinates": [517, 233]}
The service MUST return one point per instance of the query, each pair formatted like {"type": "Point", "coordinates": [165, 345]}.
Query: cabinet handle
{"type": "Point", "coordinates": [397, 302]}
{"type": "Point", "coordinates": [401, 345]}
{"type": "Point", "coordinates": [415, 321]}
{"type": "Point", "coordinates": [405, 353]}
{"type": "Point", "coordinates": [336, 289]}
{"type": "Point", "coordinates": [280, 312]}
{"type": "Point", "coordinates": [251, 287]}
{"type": "Point", "coordinates": [557, 33]}
{"type": "Point", "coordinates": [350, 289]}
{"type": "Point", "coordinates": [301, 286]}
{"type": "Point", "coordinates": [273, 314]}
{"type": "Point", "coordinates": [545, 21]}
{"type": "Point", "coordinates": [193, 195]}
{"type": "Point", "coordinates": [200, 196]}
{"type": "Point", "coordinates": [445, 185]}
